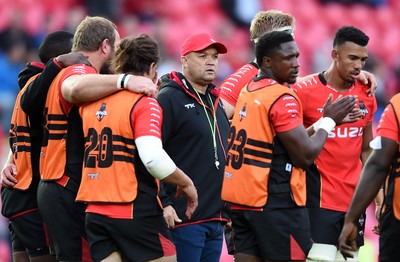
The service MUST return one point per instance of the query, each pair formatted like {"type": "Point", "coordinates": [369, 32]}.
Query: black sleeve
{"type": "Point", "coordinates": [165, 199]}
{"type": "Point", "coordinates": [34, 98]}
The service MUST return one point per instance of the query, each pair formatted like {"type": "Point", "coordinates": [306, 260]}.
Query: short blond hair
{"type": "Point", "coordinates": [91, 32]}
{"type": "Point", "coordinates": [268, 21]}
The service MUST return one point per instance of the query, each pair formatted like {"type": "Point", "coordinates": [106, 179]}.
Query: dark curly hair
{"type": "Point", "coordinates": [350, 34]}
{"type": "Point", "coordinates": [270, 43]}
{"type": "Point", "coordinates": [135, 55]}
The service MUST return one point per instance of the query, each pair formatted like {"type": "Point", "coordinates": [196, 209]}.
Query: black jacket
{"type": "Point", "coordinates": [187, 138]}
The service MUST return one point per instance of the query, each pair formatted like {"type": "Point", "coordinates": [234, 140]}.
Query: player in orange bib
{"type": "Point", "coordinates": [20, 176]}
{"type": "Point", "coordinates": [63, 143]}
{"type": "Point", "coordinates": [263, 22]}
{"type": "Point", "coordinates": [123, 163]}
{"type": "Point", "coordinates": [268, 151]}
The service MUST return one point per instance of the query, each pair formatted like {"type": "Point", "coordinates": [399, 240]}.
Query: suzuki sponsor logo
{"type": "Point", "coordinates": [344, 132]}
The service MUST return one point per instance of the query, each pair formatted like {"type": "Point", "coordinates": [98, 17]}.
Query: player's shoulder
{"type": "Point", "coordinates": [395, 100]}
{"type": "Point", "coordinates": [249, 67]}
{"type": "Point", "coordinates": [361, 91]}
{"type": "Point", "coordinates": [147, 104]}
{"type": "Point", "coordinates": [149, 100]}
{"type": "Point", "coordinates": [80, 69]}
{"type": "Point", "coordinates": [246, 72]}
{"type": "Point", "coordinates": [307, 83]}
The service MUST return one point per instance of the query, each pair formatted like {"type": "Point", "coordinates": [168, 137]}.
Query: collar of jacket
{"type": "Point", "coordinates": [31, 69]}
{"type": "Point", "coordinates": [180, 79]}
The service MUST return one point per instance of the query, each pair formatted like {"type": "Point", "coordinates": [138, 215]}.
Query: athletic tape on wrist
{"type": "Point", "coordinates": [328, 124]}
{"type": "Point", "coordinates": [376, 143]}
{"type": "Point", "coordinates": [119, 81]}
{"type": "Point", "coordinates": [125, 80]}
{"type": "Point", "coordinates": [316, 124]}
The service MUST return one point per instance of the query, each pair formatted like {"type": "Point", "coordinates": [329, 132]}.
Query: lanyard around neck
{"type": "Point", "coordinates": [212, 125]}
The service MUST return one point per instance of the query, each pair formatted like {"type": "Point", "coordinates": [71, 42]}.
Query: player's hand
{"type": "Point", "coordinates": [347, 240]}
{"type": "Point", "coordinates": [72, 58]}
{"type": "Point", "coordinates": [171, 217]}
{"type": "Point", "coordinates": [368, 79]}
{"type": "Point", "coordinates": [7, 176]}
{"type": "Point", "coordinates": [353, 116]}
{"type": "Point", "coordinates": [340, 108]}
{"type": "Point", "coordinates": [143, 85]}
{"type": "Point", "coordinates": [375, 229]}
{"type": "Point", "coordinates": [192, 198]}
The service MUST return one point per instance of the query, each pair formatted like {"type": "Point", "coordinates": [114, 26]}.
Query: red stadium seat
{"type": "Point", "coordinates": [359, 15]}
{"type": "Point", "coordinates": [335, 15]}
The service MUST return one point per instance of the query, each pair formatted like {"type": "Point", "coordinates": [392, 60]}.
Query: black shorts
{"type": "Point", "coordinates": [28, 234]}
{"type": "Point", "coordinates": [138, 239]}
{"type": "Point", "coordinates": [279, 234]}
{"type": "Point", "coordinates": [327, 224]}
{"type": "Point", "coordinates": [389, 244]}
{"type": "Point", "coordinates": [64, 219]}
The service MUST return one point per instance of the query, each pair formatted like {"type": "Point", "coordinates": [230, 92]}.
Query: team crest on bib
{"type": "Point", "coordinates": [242, 113]}
{"type": "Point", "coordinates": [101, 112]}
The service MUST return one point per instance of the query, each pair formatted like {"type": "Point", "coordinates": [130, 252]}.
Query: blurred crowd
{"type": "Point", "coordinates": [24, 23]}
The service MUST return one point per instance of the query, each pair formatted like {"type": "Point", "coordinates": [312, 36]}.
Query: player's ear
{"type": "Point", "coordinates": [334, 54]}
{"type": "Point", "coordinates": [266, 61]}
{"type": "Point", "coordinates": [184, 61]}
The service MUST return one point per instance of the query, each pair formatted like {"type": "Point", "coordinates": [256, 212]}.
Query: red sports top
{"type": "Point", "coordinates": [388, 126]}
{"type": "Point", "coordinates": [230, 88]}
{"type": "Point", "coordinates": [339, 163]}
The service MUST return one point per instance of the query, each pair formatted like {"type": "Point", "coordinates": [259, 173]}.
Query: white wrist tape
{"type": "Point", "coordinates": [376, 143]}
{"type": "Point", "coordinates": [154, 157]}
{"type": "Point", "coordinates": [327, 124]}
{"type": "Point", "coordinates": [322, 252]}
{"type": "Point", "coordinates": [316, 124]}
{"type": "Point", "coordinates": [123, 80]}
{"type": "Point", "coordinates": [119, 81]}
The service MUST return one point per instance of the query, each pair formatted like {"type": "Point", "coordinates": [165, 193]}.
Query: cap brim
{"type": "Point", "coordinates": [221, 48]}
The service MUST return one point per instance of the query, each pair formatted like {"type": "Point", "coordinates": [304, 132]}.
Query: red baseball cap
{"type": "Point", "coordinates": [198, 42]}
